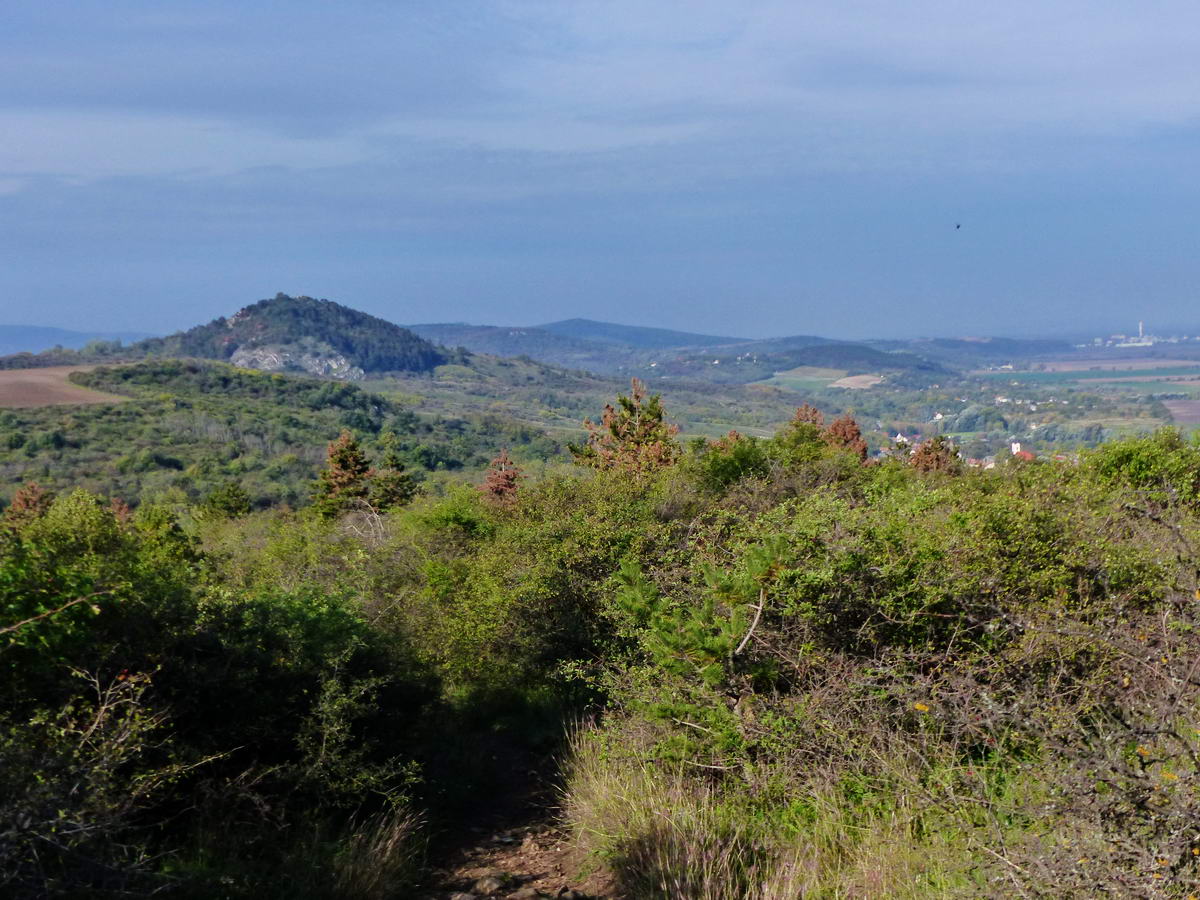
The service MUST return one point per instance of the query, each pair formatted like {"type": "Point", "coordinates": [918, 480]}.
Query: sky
{"type": "Point", "coordinates": [749, 168]}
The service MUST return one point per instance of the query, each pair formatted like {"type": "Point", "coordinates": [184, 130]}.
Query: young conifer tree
{"type": "Point", "coordinates": [392, 486]}
{"type": "Point", "coordinates": [808, 415]}
{"type": "Point", "coordinates": [345, 478]}
{"type": "Point", "coordinates": [633, 436]}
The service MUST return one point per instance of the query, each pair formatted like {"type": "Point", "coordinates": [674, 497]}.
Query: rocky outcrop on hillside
{"type": "Point", "coordinates": [283, 359]}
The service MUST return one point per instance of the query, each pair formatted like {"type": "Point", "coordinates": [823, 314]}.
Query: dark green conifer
{"type": "Point", "coordinates": [392, 486]}
{"type": "Point", "coordinates": [345, 478]}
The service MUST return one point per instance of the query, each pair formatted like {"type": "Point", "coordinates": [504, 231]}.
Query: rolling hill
{"type": "Point", "coordinates": [759, 360]}
{"type": "Point", "coordinates": [543, 346]}
{"type": "Point", "coordinates": [614, 349]}
{"type": "Point", "coordinates": [319, 337]}
{"type": "Point", "coordinates": [633, 335]}
{"type": "Point", "coordinates": [973, 352]}
{"type": "Point", "coordinates": [282, 334]}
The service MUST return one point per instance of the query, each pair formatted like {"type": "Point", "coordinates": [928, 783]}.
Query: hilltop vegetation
{"type": "Point", "coordinates": [302, 326]}
{"type": "Point", "coordinates": [806, 675]}
{"type": "Point", "coordinates": [296, 334]}
{"type": "Point", "coordinates": [269, 635]}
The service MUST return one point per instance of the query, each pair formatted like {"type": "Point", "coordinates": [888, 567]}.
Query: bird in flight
{"type": "Point", "coordinates": [957, 225]}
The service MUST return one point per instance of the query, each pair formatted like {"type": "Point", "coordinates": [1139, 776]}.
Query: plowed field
{"type": "Point", "coordinates": [47, 387]}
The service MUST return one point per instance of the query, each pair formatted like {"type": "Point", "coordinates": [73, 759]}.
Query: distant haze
{"type": "Point", "coordinates": [755, 169]}
{"type": "Point", "coordinates": [33, 339]}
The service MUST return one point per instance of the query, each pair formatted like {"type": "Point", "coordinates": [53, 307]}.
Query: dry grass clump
{"type": "Point", "coordinates": [381, 856]}
{"type": "Point", "coordinates": [664, 833]}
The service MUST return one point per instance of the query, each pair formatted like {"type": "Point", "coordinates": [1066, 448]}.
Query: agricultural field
{"type": "Point", "coordinates": [1113, 365]}
{"type": "Point", "coordinates": [30, 388]}
{"type": "Point", "coordinates": [805, 378]}
{"type": "Point", "coordinates": [1184, 412]}
{"type": "Point", "coordinates": [857, 382]}
{"type": "Point", "coordinates": [1102, 374]}
{"type": "Point", "coordinates": [1093, 376]}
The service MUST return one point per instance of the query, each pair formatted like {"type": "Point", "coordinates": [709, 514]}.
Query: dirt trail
{"type": "Point", "coordinates": [528, 861]}
{"type": "Point", "coordinates": [515, 848]}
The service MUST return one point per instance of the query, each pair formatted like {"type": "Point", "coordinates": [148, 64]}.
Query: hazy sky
{"type": "Point", "coordinates": [736, 167]}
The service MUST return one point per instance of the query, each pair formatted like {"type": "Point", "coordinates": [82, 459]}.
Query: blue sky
{"type": "Point", "coordinates": [754, 168]}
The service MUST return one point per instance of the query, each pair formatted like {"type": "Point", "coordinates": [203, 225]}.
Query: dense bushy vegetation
{"type": "Point", "coordinates": [803, 674]}
{"type": "Point", "coordinates": [191, 428]}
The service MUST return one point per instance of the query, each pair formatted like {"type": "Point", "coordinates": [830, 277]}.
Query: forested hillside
{"type": "Point", "coordinates": [756, 668]}
{"type": "Point", "coordinates": [286, 334]}
{"type": "Point", "coordinates": [191, 428]}
{"type": "Point", "coordinates": [303, 325]}
{"type": "Point", "coordinates": [750, 362]}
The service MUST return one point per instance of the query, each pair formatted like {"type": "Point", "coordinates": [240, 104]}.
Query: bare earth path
{"type": "Point", "coordinates": [47, 387]}
{"type": "Point", "coordinates": [525, 862]}
{"type": "Point", "coordinates": [514, 846]}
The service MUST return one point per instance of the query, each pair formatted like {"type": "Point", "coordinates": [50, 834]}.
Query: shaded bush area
{"type": "Point", "coordinates": [154, 717]}
{"type": "Point", "coordinates": [275, 704]}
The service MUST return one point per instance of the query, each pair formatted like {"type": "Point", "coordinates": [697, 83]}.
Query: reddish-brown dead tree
{"type": "Point", "coordinates": [808, 415]}
{"type": "Point", "coordinates": [846, 434]}
{"type": "Point", "coordinates": [935, 455]}
{"type": "Point", "coordinates": [29, 502]}
{"type": "Point", "coordinates": [503, 480]}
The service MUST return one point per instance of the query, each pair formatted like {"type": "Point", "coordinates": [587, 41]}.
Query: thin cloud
{"type": "Point", "coordinates": [691, 158]}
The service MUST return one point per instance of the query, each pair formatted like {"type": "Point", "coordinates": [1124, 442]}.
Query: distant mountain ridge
{"type": "Point", "coordinates": [36, 338]}
{"type": "Point", "coordinates": [633, 335]}
{"type": "Point", "coordinates": [324, 338]}
{"type": "Point", "coordinates": [975, 351]}
{"type": "Point", "coordinates": [613, 349]}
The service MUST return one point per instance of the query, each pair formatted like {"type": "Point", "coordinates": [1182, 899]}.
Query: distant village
{"type": "Point", "coordinates": [905, 445]}
{"type": "Point", "coordinates": [1141, 339]}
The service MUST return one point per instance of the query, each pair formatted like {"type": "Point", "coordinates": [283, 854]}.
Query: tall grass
{"type": "Point", "coordinates": [370, 858]}
{"type": "Point", "coordinates": [380, 856]}
{"type": "Point", "coordinates": [664, 833]}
